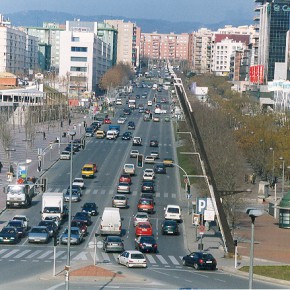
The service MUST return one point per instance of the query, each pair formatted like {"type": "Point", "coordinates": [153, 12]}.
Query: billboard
{"type": "Point", "coordinates": [257, 74]}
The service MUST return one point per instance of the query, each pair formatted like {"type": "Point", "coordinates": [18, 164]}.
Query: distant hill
{"type": "Point", "coordinates": [37, 17]}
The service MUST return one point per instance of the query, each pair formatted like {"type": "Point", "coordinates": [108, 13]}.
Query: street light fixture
{"type": "Point", "coordinates": [67, 267]}
{"type": "Point", "coordinates": [252, 213]}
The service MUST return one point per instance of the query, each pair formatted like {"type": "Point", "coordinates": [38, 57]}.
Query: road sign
{"type": "Point", "coordinates": [188, 196]}
{"type": "Point", "coordinates": [201, 229]}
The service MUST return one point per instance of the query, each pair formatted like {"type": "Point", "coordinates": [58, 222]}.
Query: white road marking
{"type": "Point", "coordinates": [23, 253]}
{"type": "Point", "coordinates": [173, 260]}
{"type": "Point", "coordinates": [173, 195]}
{"type": "Point", "coordinates": [166, 194]}
{"type": "Point", "coordinates": [161, 259]}
{"type": "Point", "coordinates": [47, 253]}
{"type": "Point", "coordinates": [37, 252]}
{"type": "Point", "coordinates": [10, 253]}
{"type": "Point", "coordinates": [151, 259]}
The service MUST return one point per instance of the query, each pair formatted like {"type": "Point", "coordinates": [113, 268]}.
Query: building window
{"type": "Point", "coordinates": [78, 68]}
{"type": "Point", "coordinates": [79, 49]}
{"type": "Point", "coordinates": [75, 58]}
{"type": "Point", "coordinates": [75, 39]}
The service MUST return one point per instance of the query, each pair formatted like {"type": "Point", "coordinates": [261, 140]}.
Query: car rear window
{"type": "Point", "coordinates": [137, 256]}
{"type": "Point", "coordinates": [173, 210]}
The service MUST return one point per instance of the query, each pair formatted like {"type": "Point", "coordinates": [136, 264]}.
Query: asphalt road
{"type": "Point", "coordinates": [164, 268]}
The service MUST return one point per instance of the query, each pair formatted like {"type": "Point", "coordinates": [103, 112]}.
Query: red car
{"type": "Point", "coordinates": [125, 178]}
{"type": "Point", "coordinates": [146, 205]}
{"type": "Point", "coordinates": [107, 121]}
{"type": "Point", "coordinates": [143, 229]}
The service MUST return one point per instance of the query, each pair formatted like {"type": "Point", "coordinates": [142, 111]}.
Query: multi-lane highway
{"type": "Point", "coordinates": [23, 261]}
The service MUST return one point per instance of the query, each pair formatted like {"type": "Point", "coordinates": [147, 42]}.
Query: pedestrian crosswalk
{"type": "Point", "coordinates": [102, 192]}
{"type": "Point", "coordinates": [47, 255]}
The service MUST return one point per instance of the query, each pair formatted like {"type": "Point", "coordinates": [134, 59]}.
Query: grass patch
{"type": "Point", "coordinates": [276, 272]}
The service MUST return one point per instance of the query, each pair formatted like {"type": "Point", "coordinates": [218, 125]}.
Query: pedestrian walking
{"type": "Point", "coordinates": [69, 121]}
{"type": "Point", "coordinates": [44, 136]}
{"type": "Point", "coordinates": [1, 166]}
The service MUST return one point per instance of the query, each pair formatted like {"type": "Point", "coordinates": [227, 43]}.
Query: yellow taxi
{"type": "Point", "coordinates": [89, 170]}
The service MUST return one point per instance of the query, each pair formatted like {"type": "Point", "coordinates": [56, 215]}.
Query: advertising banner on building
{"type": "Point", "coordinates": [257, 74]}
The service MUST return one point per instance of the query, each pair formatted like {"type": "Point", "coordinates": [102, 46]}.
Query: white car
{"type": "Point", "coordinates": [134, 153]}
{"type": "Point", "coordinates": [132, 258]}
{"type": "Point", "coordinates": [65, 155]}
{"type": "Point", "coordinates": [156, 119]}
{"type": "Point", "coordinates": [129, 169]}
{"type": "Point", "coordinates": [140, 217]}
{"type": "Point", "coordinates": [172, 212]}
{"type": "Point", "coordinates": [149, 159]}
{"type": "Point", "coordinates": [149, 103]}
{"type": "Point", "coordinates": [22, 218]}
{"type": "Point", "coordinates": [121, 121]}
{"type": "Point", "coordinates": [148, 174]}
{"type": "Point", "coordinates": [154, 154]}
{"type": "Point", "coordinates": [79, 181]}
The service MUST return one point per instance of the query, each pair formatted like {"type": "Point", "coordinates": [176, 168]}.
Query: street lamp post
{"type": "Point", "coordinates": [273, 165]}
{"type": "Point", "coordinates": [67, 267]}
{"type": "Point", "coordinates": [283, 174]}
{"type": "Point", "coordinates": [253, 213]}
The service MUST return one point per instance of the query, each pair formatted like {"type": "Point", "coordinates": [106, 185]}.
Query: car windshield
{"type": "Point", "coordinates": [8, 230]}
{"type": "Point", "coordinates": [80, 215]}
{"type": "Point", "coordinates": [207, 256]}
{"type": "Point", "coordinates": [145, 202]}
{"type": "Point", "coordinates": [15, 224]}
{"type": "Point", "coordinates": [144, 226]}
{"type": "Point", "coordinates": [114, 239]}
{"type": "Point", "coordinates": [123, 184]}
{"type": "Point", "coordinates": [120, 197]}
{"type": "Point", "coordinates": [137, 256]}
{"type": "Point", "coordinates": [88, 205]}
{"type": "Point", "coordinates": [141, 216]}
{"type": "Point", "coordinates": [147, 240]}
{"type": "Point", "coordinates": [87, 169]}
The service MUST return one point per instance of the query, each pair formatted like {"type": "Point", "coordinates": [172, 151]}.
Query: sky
{"type": "Point", "coordinates": [207, 11]}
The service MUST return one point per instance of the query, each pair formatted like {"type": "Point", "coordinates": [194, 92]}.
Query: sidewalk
{"type": "Point", "coordinates": [29, 149]}
{"type": "Point", "coordinates": [271, 242]}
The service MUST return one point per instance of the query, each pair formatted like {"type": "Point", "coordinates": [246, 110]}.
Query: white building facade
{"type": "Point", "coordinates": [83, 57]}
{"type": "Point", "coordinates": [18, 50]}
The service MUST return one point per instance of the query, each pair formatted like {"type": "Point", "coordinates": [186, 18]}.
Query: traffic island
{"type": "Point", "coordinates": [95, 271]}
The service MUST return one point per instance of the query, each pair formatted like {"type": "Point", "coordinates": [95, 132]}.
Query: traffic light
{"type": "Point", "coordinates": [140, 160]}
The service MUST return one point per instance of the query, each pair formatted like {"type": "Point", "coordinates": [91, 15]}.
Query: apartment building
{"type": "Point", "coordinates": [164, 46]}
{"type": "Point", "coordinates": [200, 50]}
{"type": "Point", "coordinates": [223, 46]}
{"type": "Point", "coordinates": [18, 50]}
{"type": "Point", "coordinates": [127, 43]}
{"type": "Point", "coordinates": [48, 50]}
{"type": "Point", "coordinates": [84, 57]}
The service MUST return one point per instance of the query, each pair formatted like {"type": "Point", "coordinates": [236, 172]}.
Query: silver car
{"type": "Point", "coordinates": [119, 200]}
{"type": "Point", "coordinates": [113, 244]}
{"type": "Point", "coordinates": [38, 234]}
{"type": "Point", "coordinates": [140, 217]}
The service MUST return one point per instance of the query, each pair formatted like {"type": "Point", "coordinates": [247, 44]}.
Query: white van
{"type": "Point", "coordinates": [111, 135]}
{"type": "Point", "coordinates": [111, 223]}
{"type": "Point", "coordinates": [172, 212]}
{"type": "Point", "coordinates": [149, 103]}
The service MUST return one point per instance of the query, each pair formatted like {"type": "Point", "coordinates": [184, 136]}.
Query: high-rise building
{"type": "Point", "coordinates": [127, 43]}
{"type": "Point", "coordinates": [18, 50]}
{"type": "Point", "coordinates": [200, 50]}
{"type": "Point", "coordinates": [48, 49]}
{"type": "Point", "coordinates": [84, 57]}
{"type": "Point", "coordinates": [273, 25]}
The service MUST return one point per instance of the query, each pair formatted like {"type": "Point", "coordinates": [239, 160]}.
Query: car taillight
{"type": "Point", "coordinates": [200, 261]}
{"type": "Point", "coordinates": [120, 227]}
{"type": "Point", "coordinates": [101, 226]}
{"type": "Point", "coordinates": [130, 261]}
{"type": "Point", "coordinates": [155, 246]}
{"type": "Point", "coordinates": [140, 244]}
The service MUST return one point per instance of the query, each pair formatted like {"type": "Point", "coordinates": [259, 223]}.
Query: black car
{"type": "Point", "coordinates": [169, 227]}
{"type": "Point", "coordinates": [153, 143]}
{"type": "Point", "coordinates": [131, 125]}
{"type": "Point", "coordinates": [96, 124]}
{"type": "Point", "coordinates": [126, 136]}
{"type": "Point", "coordinates": [77, 143]}
{"type": "Point", "coordinates": [51, 226]}
{"type": "Point", "coordinates": [9, 235]}
{"type": "Point", "coordinates": [127, 111]}
{"type": "Point", "coordinates": [147, 195]}
{"type": "Point", "coordinates": [200, 260]}
{"type": "Point", "coordinates": [160, 168]}
{"type": "Point", "coordinates": [148, 186]}
{"type": "Point", "coordinates": [146, 244]}
{"type": "Point", "coordinates": [83, 216]}
{"type": "Point", "coordinates": [90, 208]}
{"type": "Point", "coordinates": [68, 148]}
{"type": "Point", "coordinates": [20, 227]}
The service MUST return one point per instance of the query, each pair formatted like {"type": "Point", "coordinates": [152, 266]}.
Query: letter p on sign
{"type": "Point", "coordinates": [201, 205]}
